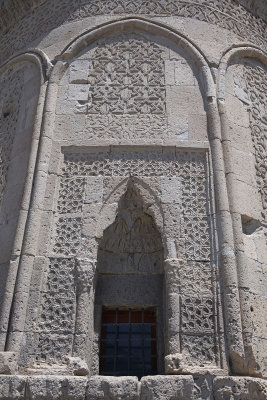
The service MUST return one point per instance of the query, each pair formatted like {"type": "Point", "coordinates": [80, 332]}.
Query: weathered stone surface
{"type": "Point", "coordinates": [167, 388]}
{"type": "Point", "coordinates": [133, 177]}
{"type": "Point", "coordinates": [77, 366]}
{"type": "Point", "coordinates": [109, 388]}
{"type": "Point", "coordinates": [8, 363]}
{"type": "Point", "coordinates": [12, 387]}
{"type": "Point", "coordinates": [55, 387]}
{"type": "Point", "coordinates": [239, 388]}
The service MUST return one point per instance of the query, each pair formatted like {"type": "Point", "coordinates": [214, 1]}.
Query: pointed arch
{"type": "Point", "coordinates": [141, 24]}
{"type": "Point", "coordinates": [40, 60]}
{"type": "Point", "coordinates": [253, 53]}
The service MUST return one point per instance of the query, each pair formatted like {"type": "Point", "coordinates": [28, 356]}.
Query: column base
{"type": "Point", "coordinates": [8, 363]}
{"type": "Point", "coordinates": [177, 364]}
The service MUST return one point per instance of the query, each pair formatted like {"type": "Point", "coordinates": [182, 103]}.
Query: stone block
{"type": "Point", "coordinates": [79, 71]}
{"type": "Point", "coordinates": [69, 127]}
{"type": "Point", "coordinates": [7, 233]}
{"type": "Point", "coordinates": [4, 272]}
{"type": "Point", "coordinates": [178, 127]}
{"type": "Point", "coordinates": [248, 201]}
{"type": "Point", "coordinates": [197, 127]}
{"type": "Point", "coordinates": [169, 72]}
{"type": "Point", "coordinates": [259, 238]}
{"type": "Point", "coordinates": [90, 223]}
{"type": "Point", "coordinates": [79, 92]}
{"type": "Point", "coordinates": [94, 189]}
{"type": "Point", "coordinates": [114, 188]}
{"type": "Point", "coordinates": [111, 388]}
{"type": "Point", "coordinates": [12, 387]}
{"type": "Point", "coordinates": [171, 191]}
{"type": "Point", "coordinates": [239, 388]}
{"type": "Point", "coordinates": [183, 74]}
{"type": "Point", "coordinates": [258, 307]}
{"type": "Point", "coordinates": [165, 387]}
{"type": "Point", "coordinates": [240, 137]}
{"type": "Point", "coordinates": [237, 111]}
{"type": "Point", "coordinates": [65, 107]}
{"type": "Point", "coordinates": [8, 363]}
{"type": "Point", "coordinates": [55, 387]}
{"type": "Point", "coordinates": [255, 276]}
{"type": "Point", "coordinates": [259, 346]}
{"type": "Point", "coordinates": [184, 100]}
{"type": "Point", "coordinates": [243, 165]}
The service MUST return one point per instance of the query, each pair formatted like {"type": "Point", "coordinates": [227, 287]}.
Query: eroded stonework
{"type": "Point", "coordinates": [195, 279]}
{"type": "Point", "coordinates": [133, 200]}
{"type": "Point", "coordinates": [49, 14]}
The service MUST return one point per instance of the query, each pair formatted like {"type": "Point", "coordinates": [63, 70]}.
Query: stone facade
{"type": "Point", "coordinates": [133, 176]}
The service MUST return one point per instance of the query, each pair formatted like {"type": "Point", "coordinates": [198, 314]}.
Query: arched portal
{"type": "Point", "coordinates": [130, 291]}
{"type": "Point", "coordinates": [130, 114]}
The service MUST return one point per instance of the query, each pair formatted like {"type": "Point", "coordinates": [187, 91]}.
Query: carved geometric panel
{"type": "Point", "coordinates": [127, 77]}
{"type": "Point", "coordinates": [256, 78]}
{"type": "Point", "coordinates": [68, 238]}
{"type": "Point", "coordinates": [57, 315]}
{"type": "Point", "coordinates": [201, 349]}
{"type": "Point", "coordinates": [197, 314]}
{"type": "Point", "coordinates": [133, 237]}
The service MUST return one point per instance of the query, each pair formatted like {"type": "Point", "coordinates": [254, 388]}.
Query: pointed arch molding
{"type": "Point", "coordinates": [229, 56]}
{"type": "Point", "coordinates": [35, 56]}
{"type": "Point", "coordinates": [30, 241]}
{"type": "Point", "coordinates": [152, 203]}
{"type": "Point", "coordinates": [237, 53]}
{"type": "Point", "coordinates": [81, 42]}
{"type": "Point", "coordinates": [38, 58]}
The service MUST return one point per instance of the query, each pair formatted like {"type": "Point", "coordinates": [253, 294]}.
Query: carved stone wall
{"type": "Point", "coordinates": [132, 244]}
{"type": "Point", "coordinates": [139, 181]}
{"type": "Point", "coordinates": [246, 97]}
{"type": "Point", "coordinates": [18, 99]}
{"type": "Point", "coordinates": [256, 76]}
{"type": "Point", "coordinates": [186, 234]}
{"type": "Point", "coordinates": [131, 88]}
{"type": "Point", "coordinates": [47, 15]}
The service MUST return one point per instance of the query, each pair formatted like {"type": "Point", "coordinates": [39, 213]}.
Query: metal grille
{"type": "Point", "coordinates": [128, 344]}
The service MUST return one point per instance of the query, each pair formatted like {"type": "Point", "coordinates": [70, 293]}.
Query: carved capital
{"type": "Point", "coordinates": [171, 267]}
{"type": "Point", "coordinates": [85, 270]}
{"type": "Point", "coordinates": [171, 263]}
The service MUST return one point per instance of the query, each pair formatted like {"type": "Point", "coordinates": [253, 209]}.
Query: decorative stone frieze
{"type": "Point", "coordinates": [228, 14]}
